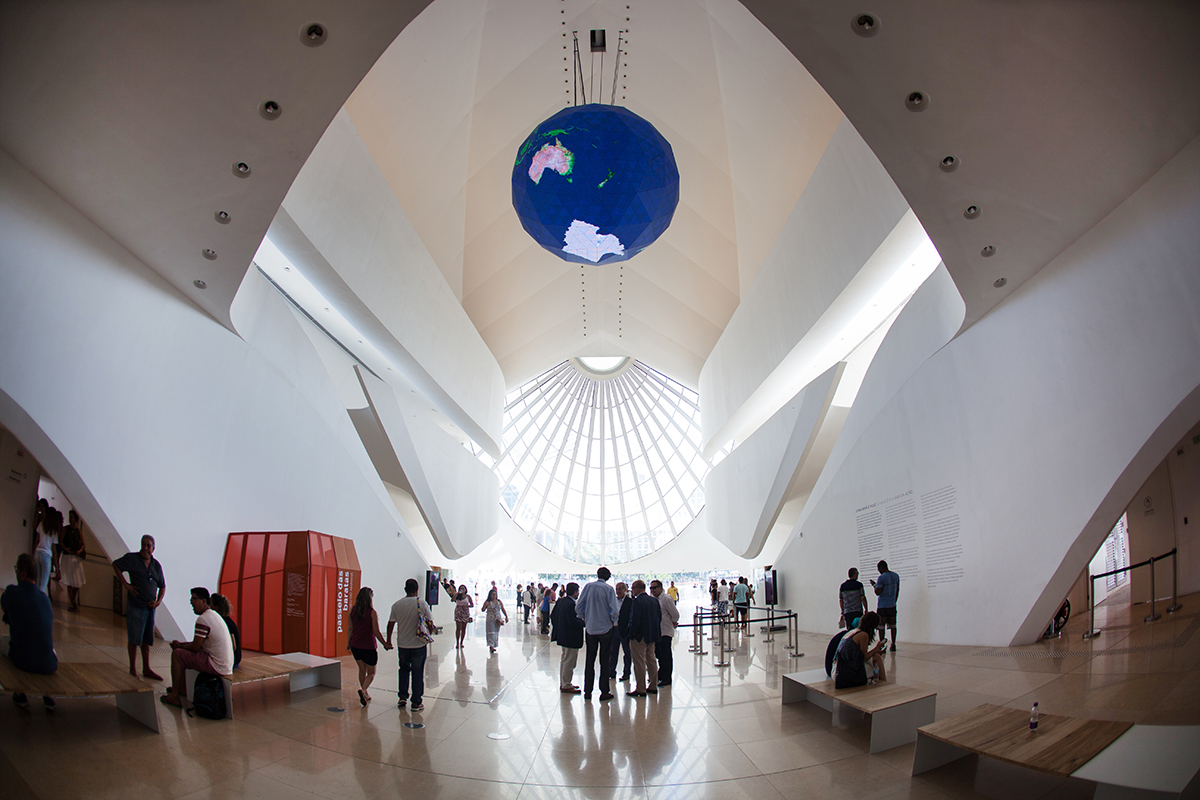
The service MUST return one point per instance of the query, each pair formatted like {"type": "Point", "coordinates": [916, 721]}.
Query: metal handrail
{"type": "Point", "coordinates": [1092, 633]}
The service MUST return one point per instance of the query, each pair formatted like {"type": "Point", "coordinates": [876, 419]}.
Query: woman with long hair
{"type": "Point", "coordinates": [70, 562]}
{"type": "Point", "coordinates": [462, 615]}
{"type": "Point", "coordinates": [45, 547]}
{"type": "Point", "coordinates": [493, 608]}
{"type": "Point", "coordinates": [854, 659]}
{"type": "Point", "coordinates": [364, 632]}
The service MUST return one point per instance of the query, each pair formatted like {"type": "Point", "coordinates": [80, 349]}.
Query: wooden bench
{"type": "Point", "coordinates": [1123, 759]}
{"type": "Point", "coordinates": [134, 696]}
{"type": "Point", "coordinates": [303, 671]}
{"type": "Point", "coordinates": [895, 711]}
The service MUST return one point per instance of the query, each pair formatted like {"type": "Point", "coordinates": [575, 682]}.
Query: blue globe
{"type": "Point", "coordinates": [595, 184]}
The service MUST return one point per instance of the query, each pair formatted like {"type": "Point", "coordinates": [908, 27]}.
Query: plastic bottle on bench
{"type": "Point", "coordinates": [1033, 718]}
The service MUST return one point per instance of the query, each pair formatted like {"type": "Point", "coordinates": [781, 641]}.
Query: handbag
{"type": "Point", "coordinates": [425, 627]}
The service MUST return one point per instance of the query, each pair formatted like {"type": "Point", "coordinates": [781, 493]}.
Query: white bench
{"type": "Point", "coordinates": [304, 671]}
{"type": "Point", "coordinates": [895, 711]}
{"type": "Point", "coordinates": [1123, 759]}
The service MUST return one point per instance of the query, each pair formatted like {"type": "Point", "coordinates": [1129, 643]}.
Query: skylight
{"type": "Point", "coordinates": [602, 469]}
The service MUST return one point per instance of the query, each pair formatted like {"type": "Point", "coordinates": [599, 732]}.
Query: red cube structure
{"type": "Point", "coordinates": [291, 591]}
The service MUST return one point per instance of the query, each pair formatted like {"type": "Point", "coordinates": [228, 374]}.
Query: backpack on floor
{"type": "Point", "coordinates": [208, 696]}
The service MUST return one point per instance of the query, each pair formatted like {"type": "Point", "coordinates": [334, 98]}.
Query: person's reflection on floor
{"type": "Point", "coordinates": [568, 747]}
{"type": "Point", "coordinates": [462, 679]}
{"type": "Point", "coordinates": [495, 680]}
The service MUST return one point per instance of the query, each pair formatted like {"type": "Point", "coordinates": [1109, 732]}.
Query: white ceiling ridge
{"type": "Point", "coordinates": [807, 359]}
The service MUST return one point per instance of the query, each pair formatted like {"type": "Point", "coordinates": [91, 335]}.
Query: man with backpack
{"type": "Point", "coordinates": [210, 650]}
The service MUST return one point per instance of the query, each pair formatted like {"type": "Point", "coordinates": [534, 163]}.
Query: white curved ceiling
{"type": "Point", "coordinates": [446, 107]}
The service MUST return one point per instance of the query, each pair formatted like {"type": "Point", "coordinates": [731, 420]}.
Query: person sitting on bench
{"type": "Point", "coordinates": [210, 650]}
{"type": "Point", "coordinates": [30, 620]}
{"type": "Point", "coordinates": [854, 660]}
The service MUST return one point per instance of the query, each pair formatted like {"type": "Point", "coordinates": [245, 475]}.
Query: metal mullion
{"type": "Point", "coordinates": [533, 411]}
{"type": "Point", "coordinates": [587, 463]}
{"type": "Point", "coordinates": [686, 463]}
{"type": "Point", "coordinates": [612, 427]}
{"type": "Point", "coordinates": [654, 477]}
{"type": "Point", "coordinates": [536, 384]}
{"type": "Point", "coordinates": [570, 472]}
{"type": "Point", "coordinates": [545, 496]}
{"type": "Point", "coordinates": [529, 450]}
{"type": "Point", "coordinates": [632, 428]}
{"type": "Point", "coordinates": [564, 395]}
{"type": "Point", "coordinates": [666, 466]}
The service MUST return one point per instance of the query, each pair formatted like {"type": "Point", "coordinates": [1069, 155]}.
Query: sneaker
{"type": "Point", "coordinates": [400, 703]}
{"type": "Point", "coordinates": [418, 706]}
{"type": "Point", "coordinates": [636, 693]}
{"type": "Point", "coordinates": [20, 700]}
{"type": "Point", "coordinates": [48, 702]}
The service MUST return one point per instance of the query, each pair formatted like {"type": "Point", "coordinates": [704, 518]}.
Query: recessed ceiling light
{"type": "Point", "coordinates": [864, 24]}
{"type": "Point", "coordinates": [988, 251]}
{"type": "Point", "coordinates": [222, 217]}
{"type": "Point", "coordinates": [949, 164]}
{"type": "Point", "coordinates": [199, 284]}
{"type": "Point", "coordinates": [917, 101]}
{"type": "Point", "coordinates": [241, 169]}
{"type": "Point", "coordinates": [269, 110]}
{"type": "Point", "coordinates": [972, 212]}
{"type": "Point", "coordinates": [1000, 283]}
{"type": "Point", "coordinates": [209, 253]}
{"type": "Point", "coordinates": [313, 34]}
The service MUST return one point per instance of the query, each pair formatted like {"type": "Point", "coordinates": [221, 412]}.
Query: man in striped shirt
{"type": "Point", "coordinates": [210, 650]}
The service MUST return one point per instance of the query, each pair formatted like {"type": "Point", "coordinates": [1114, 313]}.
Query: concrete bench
{"type": "Point", "coordinates": [133, 695]}
{"type": "Point", "coordinates": [303, 671]}
{"type": "Point", "coordinates": [895, 711]}
{"type": "Point", "coordinates": [1123, 759]}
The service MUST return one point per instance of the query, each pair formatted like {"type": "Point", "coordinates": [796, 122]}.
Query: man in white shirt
{"type": "Point", "coordinates": [410, 647]}
{"type": "Point", "coordinates": [210, 650]}
{"type": "Point", "coordinates": [670, 618]}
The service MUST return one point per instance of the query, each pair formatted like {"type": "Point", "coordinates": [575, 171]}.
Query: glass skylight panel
{"type": "Point", "coordinates": [602, 459]}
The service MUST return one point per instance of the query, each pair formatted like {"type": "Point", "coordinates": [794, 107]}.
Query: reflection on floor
{"type": "Point", "coordinates": [716, 733]}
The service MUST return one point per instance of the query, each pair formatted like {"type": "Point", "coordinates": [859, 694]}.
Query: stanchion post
{"type": "Point", "coordinates": [720, 648]}
{"type": "Point", "coordinates": [770, 637]}
{"type": "Point", "coordinates": [795, 626]}
{"type": "Point", "coordinates": [1153, 616]}
{"type": "Point", "coordinates": [1175, 606]}
{"type": "Point", "coordinates": [1091, 632]}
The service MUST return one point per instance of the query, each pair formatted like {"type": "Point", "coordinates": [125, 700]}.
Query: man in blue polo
{"type": "Point", "coordinates": [598, 608]}
{"type": "Point", "coordinates": [887, 589]}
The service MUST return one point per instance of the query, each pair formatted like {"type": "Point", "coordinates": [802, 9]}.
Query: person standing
{"type": "Point", "coordinates": [462, 616]}
{"type": "Point", "coordinates": [71, 560]}
{"type": "Point", "coordinates": [853, 599]}
{"type": "Point", "coordinates": [741, 602]}
{"type": "Point", "coordinates": [411, 649]}
{"type": "Point", "coordinates": [45, 547]}
{"type": "Point", "coordinates": [887, 589]}
{"type": "Point", "coordinates": [30, 618]}
{"type": "Point", "coordinates": [645, 626]}
{"type": "Point", "coordinates": [496, 615]}
{"type": "Point", "coordinates": [670, 619]}
{"type": "Point", "coordinates": [529, 601]}
{"type": "Point", "coordinates": [364, 633]}
{"type": "Point", "coordinates": [544, 616]}
{"type": "Point", "coordinates": [620, 643]}
{"type": "Point", "coordinates": [145, 588]}
{"type": "Point", "coordinates": [672, 592]}
{"type": "Point", "coordinates": [210, 650]}
{"type": "Point", "coordinates": [568, 632]}
{"type": "Point", "coordinates": [598, 608]}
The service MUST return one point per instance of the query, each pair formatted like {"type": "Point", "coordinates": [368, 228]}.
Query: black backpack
{"type": "Point", "coordinates": [208, 696]}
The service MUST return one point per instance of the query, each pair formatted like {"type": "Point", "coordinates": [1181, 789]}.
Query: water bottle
{"type": "Point", "coordinates": [1033, 718]}
{"type": "Point", "coordinates": [874, 674]}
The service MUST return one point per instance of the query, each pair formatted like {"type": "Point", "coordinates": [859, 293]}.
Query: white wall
{"type": "Point", "coordinates": [352, 240]}
{"type": "Point", "coordinates": [186, 431]}
{"type": "Point", "coordinates": [848, 207]}
{"type": "Point", "coordinates": [1184, 463]}
{"type": "Point", "coordinates": [1023, 420]}
{"type": "Point", "coordinates": [19, 473]}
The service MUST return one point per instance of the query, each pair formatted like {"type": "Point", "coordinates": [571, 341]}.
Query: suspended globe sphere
{"type": "Point", "coordinates": [595, 184]}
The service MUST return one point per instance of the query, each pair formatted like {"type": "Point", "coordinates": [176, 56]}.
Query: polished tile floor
{"type": "Point", "coordinates": [497, 727]}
